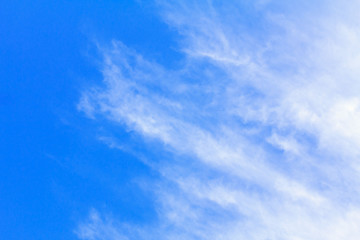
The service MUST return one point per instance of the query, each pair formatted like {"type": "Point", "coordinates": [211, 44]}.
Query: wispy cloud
{"type": "Point", "coordinates": [262, 120]}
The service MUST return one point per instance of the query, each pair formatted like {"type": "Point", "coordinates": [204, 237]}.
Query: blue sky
{"type": "Point", "coordinates": [53, 167]}
{"type": "Point", "coordinates": [179, 120]}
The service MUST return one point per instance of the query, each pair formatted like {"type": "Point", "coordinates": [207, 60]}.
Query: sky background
{"type": "Point", "coordinates": [179, 120]}
{"type": "Point", "coordinates": [53, 167]}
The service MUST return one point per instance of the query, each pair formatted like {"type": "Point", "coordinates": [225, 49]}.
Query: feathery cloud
{"type": "Point", "coordinates": [265, 111]}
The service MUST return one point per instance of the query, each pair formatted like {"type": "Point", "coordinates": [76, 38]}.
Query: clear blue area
{"type": "Point", "coordinates": [53, 168]}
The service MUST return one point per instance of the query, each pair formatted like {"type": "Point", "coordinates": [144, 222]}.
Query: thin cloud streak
{"type": "Point", "coordinates": [271, 117]}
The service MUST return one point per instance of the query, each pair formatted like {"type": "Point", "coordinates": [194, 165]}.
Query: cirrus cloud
{"type": "Point", "coordinates": [262, 122]}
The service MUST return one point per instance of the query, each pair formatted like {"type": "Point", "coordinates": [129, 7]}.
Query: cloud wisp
{"type": "Point", "coordinates": [262, 122]}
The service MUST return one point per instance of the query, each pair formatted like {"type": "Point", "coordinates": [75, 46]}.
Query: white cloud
{"type": "Point", "coordinates": [271, 123]}
{"type": "Point", "coordinates": [97, 228]}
